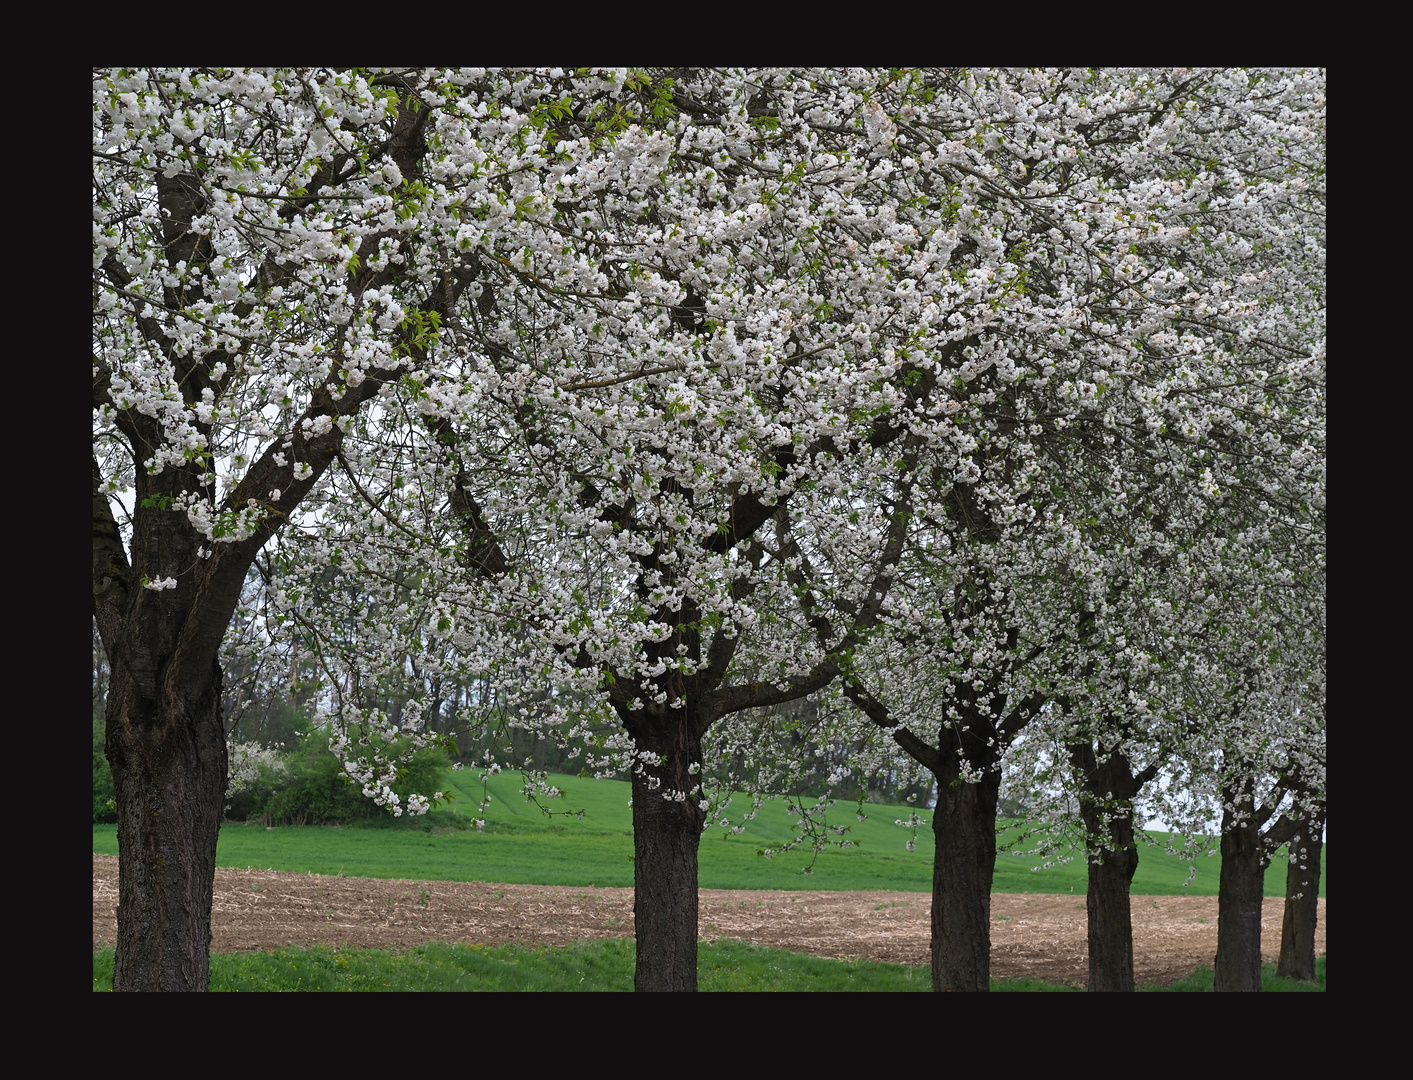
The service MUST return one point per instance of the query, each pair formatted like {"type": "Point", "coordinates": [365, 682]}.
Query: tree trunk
{"type": "Point", "coordinates": [163, 734]}
{"type": "Point", "coordinates": [1110, 920]}
{"type": "Point", "coordinates": [1239, 895]}
{"type": "Point", "coordinates": [168, 757]}
{"type": "Point", "coordinates": [964, 827]}
{"type": "Point", "coordinates": [666, 834]}
{"type": "Point", "coordinates": [1106, 805]}
{"type": "Point", "coordinates": [1302, 900]}
{"type": "Point", "coordinates": [163, 598]}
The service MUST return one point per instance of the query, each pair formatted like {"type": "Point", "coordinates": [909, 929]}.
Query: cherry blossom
{"type": "Point", "coordinates": [648, 400]}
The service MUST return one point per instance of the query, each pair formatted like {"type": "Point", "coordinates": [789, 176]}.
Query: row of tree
{"type": "Point", "coordinates": [985, 404]}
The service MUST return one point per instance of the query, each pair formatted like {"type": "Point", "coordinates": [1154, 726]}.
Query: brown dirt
{"type": "Point", "coordinates": [1032, 935]}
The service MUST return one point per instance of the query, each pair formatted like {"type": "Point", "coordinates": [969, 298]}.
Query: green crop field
{"type": "Point", "coordinates": [521, 846]}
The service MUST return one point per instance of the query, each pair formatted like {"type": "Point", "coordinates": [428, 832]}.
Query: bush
{"type": "Point", "coordinates": [254, 775]}
{"type": "Point", "coordinates": [313, 790]}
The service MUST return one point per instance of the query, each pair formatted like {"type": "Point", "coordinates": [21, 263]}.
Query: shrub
{"type": "Point", "coordinates": [255, 774]}
{"type": "Point", "coordinates": [313, 790]}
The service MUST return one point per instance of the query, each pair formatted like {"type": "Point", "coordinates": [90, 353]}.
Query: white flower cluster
{"type": "Point", "coordinates": [632, 400]}
{"type": "Point", "coordinates": [245, 760]}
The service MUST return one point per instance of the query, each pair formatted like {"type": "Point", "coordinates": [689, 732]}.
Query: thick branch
{"type": "Point", "coordinates": [929, 757]}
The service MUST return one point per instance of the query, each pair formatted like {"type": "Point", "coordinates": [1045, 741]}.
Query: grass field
{"type": "Point", "coordinates": [587, 966]}
{"type": "Point", "coordinates": [521, 846]}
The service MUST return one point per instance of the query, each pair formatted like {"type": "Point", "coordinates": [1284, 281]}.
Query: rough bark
{"type": "Point", "coordinates": [666, 834]}
{"type": "Point", "coordinates": [1108, 787]}
{"type": "Point", "coordinates": [1239, 894]}
{"type": "Point", "coordinates": [163, 734]}
{"type": "Point", "coordinates": [1110, 921]}
{"type": "Point", "coordinates": [964, 863]}
{"type": "Point", "coordinates": [1246, 852]}
{"type": "Point", "coordinates": [1302, 899]}
{"type": "Point", "coordinates": [164, 738]}
{"type": "Point", "coordinates": [169, 771]}
{"type": "Point", "coordinates": [963, 826]}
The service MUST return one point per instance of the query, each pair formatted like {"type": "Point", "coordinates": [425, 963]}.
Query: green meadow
{"type": "Point", "coordinates": [520, 845]}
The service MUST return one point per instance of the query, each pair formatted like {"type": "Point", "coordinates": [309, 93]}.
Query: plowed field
{"type": "Point", "coordinates": [1032, 935]}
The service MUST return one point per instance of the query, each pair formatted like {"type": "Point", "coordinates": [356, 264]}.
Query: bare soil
{"type": "Point", "coordinates": [1032, 935]}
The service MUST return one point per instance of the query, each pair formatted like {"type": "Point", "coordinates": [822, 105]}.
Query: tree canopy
{"type": "Point", "coordinates": [645, 397]}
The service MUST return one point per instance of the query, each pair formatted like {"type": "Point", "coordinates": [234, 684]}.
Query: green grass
{"type": "Point", "coordinates": [521, 846]}
{"type": "Point", "coordinates": [585, 966]}
{"type": "Point", "coordinates": [1201, 981]}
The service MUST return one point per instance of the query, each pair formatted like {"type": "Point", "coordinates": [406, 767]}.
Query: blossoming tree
{"type": "Point", "coordinates": [230, 311]}
{"type": "Point", "coordinates": [676, 392]}
{"type": "Point", "coordinates": [688, 374]}
{"type": "Point", "coordinates": [1196, 200]}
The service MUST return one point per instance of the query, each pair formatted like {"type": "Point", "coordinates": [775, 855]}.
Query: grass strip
{"type": "Point", "coordinates": [591, 966]}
